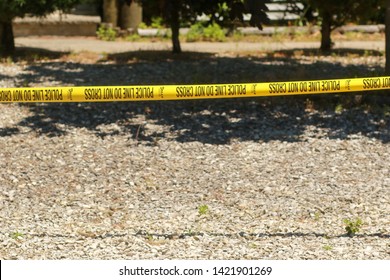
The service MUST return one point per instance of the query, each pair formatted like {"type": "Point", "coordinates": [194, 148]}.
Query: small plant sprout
{"type": "Point", "coordinates": [327, 248]}
{"type": "Point", "coordinates": [149, 237]}
{"type": "Point", "coordinates": [339, 109]}
{"type": "Point", "coordinates": [17, 235]}
{"type": "Point", "coordinates": [203, 209]}
{"type": "Point", "coordinates": [352, 227]}
{"type": "Point", "coordinates": [316, 215]}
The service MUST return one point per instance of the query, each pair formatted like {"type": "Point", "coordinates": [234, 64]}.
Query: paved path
{"type": "Point", "coordinates": [78, 44]}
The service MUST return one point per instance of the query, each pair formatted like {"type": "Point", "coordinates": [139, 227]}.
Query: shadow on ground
{"type": "Point", "coordinates": [211, 121]}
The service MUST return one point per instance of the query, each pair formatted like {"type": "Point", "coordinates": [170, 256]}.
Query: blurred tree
{"type": "Point", "coordinates": [334, 13]}
{"type": "Point", "coordinates": [110, 12]}
{"type": "Point", "coordinates": [130, 14]}
{"type": "Point", "coordinates": [121, 13]}
{"type": "Point", "coordinates": [177, 11]}
{"type": "Point", "coordinates": [9, 9]}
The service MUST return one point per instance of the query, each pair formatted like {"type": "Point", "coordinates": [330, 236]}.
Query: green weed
{"type": "Point", "coordinates": [149, 237]}
{"type": "Point", "coordinates": [157, 22]}
{"type": "Point", "coordinates": [189, 232]}
{"type": "Point", "coordinates": [195, 33]}
{"type": "Point", "coordinates": [6, 60]}
{"type": "Point", "coordinates": [352, 227]}
{"type": "Point", "coordinates": [142, 25]}
{"type": "Point", "coordinates": [133, 37]}
{"type": "Point", "coordinates": [327, 248]}
{"type": "Point", "coordinates": [203, 209]}
{"type": "Point", "coordinates": [106, 33]}
{"type": "Point", "coordinates": [339, 108]}
{"type": "Point", "coordinates": [213, 32]}
{"type": "Point", "coordinates": [17, 235]}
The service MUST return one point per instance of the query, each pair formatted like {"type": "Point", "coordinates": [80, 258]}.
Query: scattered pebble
{"type": "Point", "coordinates": [125, 180]}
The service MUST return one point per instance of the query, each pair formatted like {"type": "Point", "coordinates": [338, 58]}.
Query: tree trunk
{"type": "Point", "coordinates": [110, 12]}
{"type": "Point", "coordinates": [130, 16]}
{"type": "Point", "coordinates": [175, 26]}
{"type": "Point", "coordinates": [7, 42]}
{"type": "Point", "coordinates": [387, 70]}
{"type": "Point", "coordinates": [326, 29]}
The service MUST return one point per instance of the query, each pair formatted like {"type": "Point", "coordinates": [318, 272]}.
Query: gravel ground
{"type": "Point", "coordinates": [276, 176]}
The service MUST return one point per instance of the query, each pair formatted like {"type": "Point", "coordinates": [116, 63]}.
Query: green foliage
{"type": "Point", "coordinates": [212, 32]}
{"type": "Point", "coordinates": [195, 33]}
{"type": "Point", "coordinates": [203, 209]}
{"type": "Point", "coordinates": [16, 235]}
{"type": "Point", "coordinates": [352, 226]}
{"type": "Point", "coordinates": [149, 237]}
{"type": "Point", "coordinates": [218, 11]}
{"type": "Point", "coordinates": [106, 33]}
{"type": "Point", "coordinates": [7, 60]}
{"type": "Point", "coordinates": [9, 9]}
{"type": "Point", "coordinates": [19, 8]}
{"type": "Point", "coordinates": [189, 232]}
{"type": "Point", "coordinates": [317, 216]}
{"type": "Point", "coordinates": [339, 108]}
{"type": "Point", "coordinates": [133, 38]}
{"type": "Point", "coordinates": [334, 13]}
{"type": "Point", "coordinates": [328, 248]}
{"type": "Point", "coordinates": [157, 22]}
{"type": "Point", "coordinates": [346, 11]}
{"type": "Point", "coordinates": [177, 12]}
{"type": "Point", "coordinates": [143, 25]}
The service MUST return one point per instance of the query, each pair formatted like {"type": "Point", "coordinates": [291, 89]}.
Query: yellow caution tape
{"type": "Point", "coordinates": [184, 92]}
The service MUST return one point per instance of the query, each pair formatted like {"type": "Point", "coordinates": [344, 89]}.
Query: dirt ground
{"type": "Point", "coordinates": [77, 44]}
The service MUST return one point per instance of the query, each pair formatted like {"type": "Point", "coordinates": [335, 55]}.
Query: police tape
{"type": "Point", "coordinates": [185, 92]}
